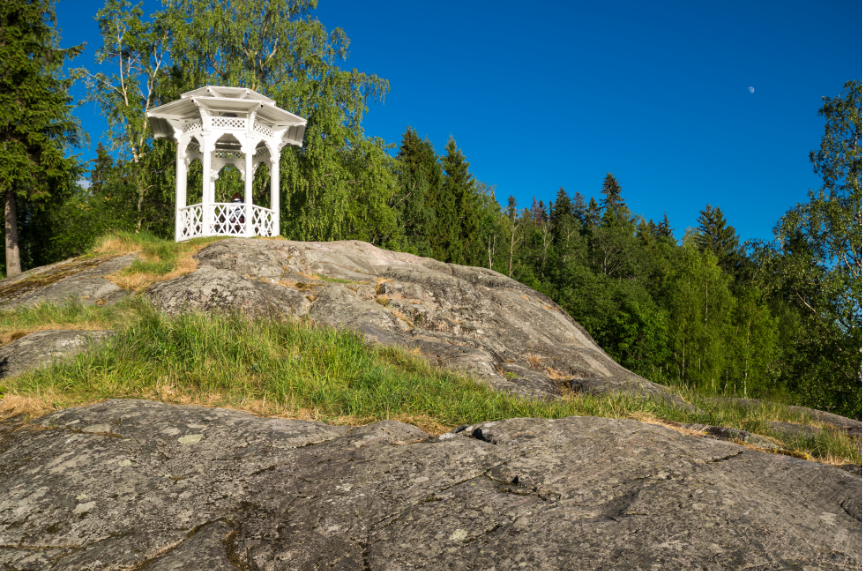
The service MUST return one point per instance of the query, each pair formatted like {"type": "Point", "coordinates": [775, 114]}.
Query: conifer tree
{"type": "Point", "coordinates": [100, 171]}
{"type": "Point", "coordinates": [613, 201]}
{"type": "Point", "coordinates": [664, 228]}
{"type": "Point", "coordinates": [579, 209]}
{"type": "Point", "coordinates": [458, 214]}
{"type": "Point", "coordinates": [513, 226]}
{"type": "Point", "coordinates": [594, 214]}
{"type": "Point", "coordinates": [564, 226]}
{"type": "Point", "coordinates": [419, 181]}
{"type": "Point", "coordinates": [715, 236]}
{"type": "Point", "coordinates": [35, 113]}
{"type": "Point", "coordinates": [561, 216]}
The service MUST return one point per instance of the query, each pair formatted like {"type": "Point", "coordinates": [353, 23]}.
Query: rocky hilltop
{"type": "Point", "coordinates": [467, 318]}
{"type": "Point", "coordinates": [131, 484]}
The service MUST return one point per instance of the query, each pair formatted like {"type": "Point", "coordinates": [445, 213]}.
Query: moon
{"type": "Point", "coordinates": [751, 89]}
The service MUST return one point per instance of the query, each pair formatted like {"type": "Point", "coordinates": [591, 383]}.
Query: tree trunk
{"type": "Point", "coordinates": [13, 254]}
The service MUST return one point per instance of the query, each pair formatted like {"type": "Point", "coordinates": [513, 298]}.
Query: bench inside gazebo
{"type": "Point", "coordinates": [226, 126]}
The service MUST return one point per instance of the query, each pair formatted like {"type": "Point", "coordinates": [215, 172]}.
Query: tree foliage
{"type": "Point", "coordinates": [717, 237]}
{"type": "Point", "coordinates": [36, 124]}
{"type": "Point", "coordinates": [756, 319]}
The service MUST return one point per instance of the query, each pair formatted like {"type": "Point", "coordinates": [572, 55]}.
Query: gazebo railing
{"type": "Point", "coordinates": [227, 219]}
{"type": "Point", "coordinates": [191, 222]}
{"type": "Point", "coordinates": [263, 222]}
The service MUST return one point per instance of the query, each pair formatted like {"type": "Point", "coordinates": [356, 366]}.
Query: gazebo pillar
{"type": "Point", "coordinates": [274, 192]}
{"type": "Point", "coordinates": [248, 178]}
{"type": "Point", "coordinates": [181, 189]}
{"type": "Point", "coordinates": [207, 193]}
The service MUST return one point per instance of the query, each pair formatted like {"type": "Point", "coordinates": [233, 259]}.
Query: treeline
{"type": "Point", "coordinates": [754, 319]}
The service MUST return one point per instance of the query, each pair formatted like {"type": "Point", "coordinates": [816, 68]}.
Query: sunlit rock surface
{"type": "Point", "coordinates": [466, 318]}
{"type": "Point", "coordinates": [141, 485]}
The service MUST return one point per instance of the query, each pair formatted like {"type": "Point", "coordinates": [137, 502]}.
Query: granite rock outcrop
{"type": "Point", "coordinates": [467, 318]}
{"type": "Point", "coordinates": [129, 484]}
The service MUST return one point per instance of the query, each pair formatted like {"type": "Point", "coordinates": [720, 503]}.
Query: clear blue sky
{"type": "Point", "coordinates": [555, 94]}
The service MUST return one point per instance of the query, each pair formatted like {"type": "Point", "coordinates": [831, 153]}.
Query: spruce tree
{"type": "Point", "coordinates": [459, 215]}
{"type": "Point", "coordinates": [613, 201]}
{"type": "Point", "coordinates": [664, 229]}
{"type": "Point", "coordinates": [419, 180]}
{"type": "Point", "coordinates": [561, 216]}
{"type": "Point", "coordinates": [101, 169]}
{"type": "Point", "coordinates": [594, 214]}
{"type": "Point", "coordinates": [579, 209]}
{"type": "Point", "coordinates": [715, 236]}
{"type": "Point", "coordinates": [35, 113]}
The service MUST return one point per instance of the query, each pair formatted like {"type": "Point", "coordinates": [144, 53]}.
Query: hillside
{"type": "Point", "coordinates": [529, 445]}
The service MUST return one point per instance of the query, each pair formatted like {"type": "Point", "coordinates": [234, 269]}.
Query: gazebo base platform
{"type": "Point", "coordinates": [224, 219]}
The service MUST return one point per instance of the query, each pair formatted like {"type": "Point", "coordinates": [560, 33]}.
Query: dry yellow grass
{"type": "Point", "coordinates": [647, 418]}
{"type": "Point", "coordinates": [556, 375]}
{"type": "Point", "coordinates": [139, 281]}
{"type": "Point", "coordinates": [11, 334]}
{"type": "Point", "coordinates": [116, 245]}
{"type": "Point", "coordinates": [824, 459]}
{"type": "Point", "coordinates": [13, 405]}
{"type": "Point", "coordinates": [402, 316]}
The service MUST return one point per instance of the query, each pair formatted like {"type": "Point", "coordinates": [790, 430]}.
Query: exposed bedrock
{"type": "Point", "coordinates": [130, 484]}
{"type": "Point", "coordinates": [80, 279]}
{"type": "Point", "coordinates": [466, 318]}
{"type": "Point", "coordinates": [43, 348]}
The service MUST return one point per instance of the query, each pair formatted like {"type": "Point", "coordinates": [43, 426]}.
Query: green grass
{"type": "Point", "coordinates": [158, 256]}
{"type": "Point", "coordinates": [71, 314]}
{"type": "Point", "coordinates": [335, 280]}
{"type": "Point", "coordinates": [285, 367]}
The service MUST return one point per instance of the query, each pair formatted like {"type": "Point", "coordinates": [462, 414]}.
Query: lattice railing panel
{"type": "Point", "coordinates": [263, 221]}
{"type": "Point", "coordinates": [229, 155]}
{"type": "Point", "coordinates": [263, 129]}
{"type": "Point", "coordinates": [228, 122]}
{"type": "Point", "coordinates": [191, 126]}
{"type": "Point", "coordinates": [229, 219]}
{"type": "Point", "coordinates": [191, 222]}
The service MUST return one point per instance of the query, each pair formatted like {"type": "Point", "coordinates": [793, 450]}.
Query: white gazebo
{"type": "Point", "coordinates": [226, 126]}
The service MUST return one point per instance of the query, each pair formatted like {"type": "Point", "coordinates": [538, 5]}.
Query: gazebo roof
{"type": "Point", "coordinates": [220, 101]}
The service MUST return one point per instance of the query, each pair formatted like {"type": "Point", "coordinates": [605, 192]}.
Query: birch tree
{"type": "Point", "coordinates": [136, 54]}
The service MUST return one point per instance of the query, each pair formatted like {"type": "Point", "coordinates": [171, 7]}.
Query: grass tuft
{"type": "Point", "coordinates": [159, 259]}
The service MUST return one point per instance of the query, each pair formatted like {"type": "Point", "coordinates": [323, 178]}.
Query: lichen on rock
{"type": "Point", "coordinates": [256, 493]}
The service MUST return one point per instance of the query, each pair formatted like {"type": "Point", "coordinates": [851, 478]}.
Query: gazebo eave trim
{"type": "Point", "coordinates": [221, 91]}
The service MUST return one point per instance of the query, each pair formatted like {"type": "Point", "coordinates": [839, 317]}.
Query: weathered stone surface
{"type": "Point", "coordinates": [42, 348]}
{"type": "Point", "coordinates": [79, 279]}
{"type": "Point", "coordinates": [472, 319]}
{"type": "Point", "coordinates": [155, 486]}
{"type": "Point", "coordinates": [208, 289]}
{"type": "Point", "coordinates": [725, 433]}
{"type": "Point", "coordinates": [849, 426]}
